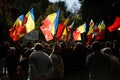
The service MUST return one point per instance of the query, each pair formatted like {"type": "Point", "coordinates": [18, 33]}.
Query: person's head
{"type": "Point", "coordinates": [38, 46]}
{"type": "Point", "coordinates": [12, 50]}
{"type": "Point", "coordinates": [27, 53]}
{"type": "Point", "coordinates": [57, 49]}
{"type": "Point", "coordinates": [108, 44]}
{"type": "Point", "coordinates": [115, 44]}
{"type": "Point", "coordinates": [107, 51]}
{"type": "Point", "coordinates": [77, 46]}
{"type": "Point", "coordinates": [95, 46]}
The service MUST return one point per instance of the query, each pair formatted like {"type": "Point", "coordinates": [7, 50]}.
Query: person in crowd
{"type": "Point", "coordinates": [108, 51]}
{"type": "Point", "coordinates": [109, 44]}
{"type": "Point", "coordinates": [40, 64]}
{"type": "Point", "coordinates": [1, 60]}
{"type": "Point", "coordinates": [114, 65]}
{"type": "Point", "coordinates": [5, 52]}
{"type": "Point", "coordinates": [47, 48]}
{"type": "Point", "coordinates": [79, 69]}
{"type": "Point", "coordinates": [21, 53]}
{"type": "Point", "coordinates": [98, 64]}
{"type": "Point", "coordinates": [66, 55]}
{"type": "Point", "coordinates": [23, 65]}
{"type": "Point", "coordinates": [116, 49]}
{"type": "Point", "coordinates": [58, 66]}
{"type": "Point", "coordinates": [11, 64]}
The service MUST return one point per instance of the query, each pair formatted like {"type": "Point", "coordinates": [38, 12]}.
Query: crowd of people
{"type": "Point", "coordinates": [99, 60]}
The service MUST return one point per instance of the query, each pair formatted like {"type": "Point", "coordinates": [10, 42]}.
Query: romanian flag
{"type": "Point", "coordinates": [90, 32]}
{"type": "Point", "coordinates": [64, 34]}
{"type": "Point", "coordinates": [77, 33]}
{"type": "Point", "coordinates": [62, 28]}
{"type": "Point", "coordinates": [102, 30]}
{"type": "Point", "coordinates": [59, 31]}
{"type": "Point", "coordinates": [96, 28]}
{"type": "Point", "coordinates": [96, 31]}
{"type": "Point", "coordinates": [15, 31]}
{"type": "Point", "coordinates": [66, 22]}
{"type": "Point", "coordinates": [115, 25]}
{"type": "Point", "coordinates": [56, 22]}
{"type": "Point", "coordinates": [70, 30]}
{"type": "Point", "coordinates": [46, 29]}
{"type": "Point", "coordinates": [29, 21]}
{"type": "Point", "coordinates": [50, 25]}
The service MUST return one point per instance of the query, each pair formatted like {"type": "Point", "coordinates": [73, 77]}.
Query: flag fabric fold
{"type": "Point", "coordinates": [95, 31]}
{"type": "Point", "coordinates": [70, 30]}
{"type": "Point", "coordinates": [101, 32]}
{"type": "Point", "coordinates": [15, 31]}
{"type": "Point", "coordinates": [22, 25]}
{"type": "Point", "coordinates": [50, 25]}
{"type": "Point", "coordinates": [46, 29]}
{"type": "Point", "coordinates": [77, 33]}
{"type": "Point", "coordinates": [56, 22]}
{"type": "Point", "coordinates": [90, 32]}
{"type": "Point", "coordinates": [62, 29]}
{"type": "Point", "coordinates": [29, 21]}
{"type": "Point", "coordinates": [59, 31]}
{"type": "Point", "coordinates": [115, 25]}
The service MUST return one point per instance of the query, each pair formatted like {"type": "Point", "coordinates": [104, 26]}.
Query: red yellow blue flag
{"type": "Point", "coordinates": [62, 31]}
{"type": "Point", "coordinates": [29, 21]}
{"type": "Point", "coordinates": [90, 32]}
{"type": "Point", "coordinates": [50, 25]}
{"type": "Point", "coordinates": [77, 33]}
{"type": "Point", "coordinates": [15, 33]}
{"type": "Point", "coordinates": [102, 30]}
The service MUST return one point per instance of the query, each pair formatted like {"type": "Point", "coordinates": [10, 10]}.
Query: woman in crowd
{"type": "Point", "coordinates": [58, 67]}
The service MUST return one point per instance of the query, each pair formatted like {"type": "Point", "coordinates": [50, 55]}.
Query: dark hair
{"type": "Point", "coordinates": [108, 44]}
{"type": "Point", "coordinates": [27, 53]}
{"type": "Point", "coordinates": [38, 46]}
{"type": "Point", "coordinates": [96, 46]}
